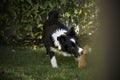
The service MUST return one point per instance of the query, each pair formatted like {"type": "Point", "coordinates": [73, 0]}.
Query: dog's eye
{"type": "Point", "coordinates": [73, 44]}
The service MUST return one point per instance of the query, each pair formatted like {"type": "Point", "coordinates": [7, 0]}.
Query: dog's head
{"type": "Point", "coordinates": [69, 43]}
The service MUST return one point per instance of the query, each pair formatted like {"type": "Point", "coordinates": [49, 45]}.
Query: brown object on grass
{"type": "Point", "coordinates": [82, 61]}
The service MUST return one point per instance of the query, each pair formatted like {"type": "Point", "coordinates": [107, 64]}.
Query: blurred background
{"type": "Point", "coordinates": [22, 53]}
{"type": "Point", "coordinates": [21, 21]}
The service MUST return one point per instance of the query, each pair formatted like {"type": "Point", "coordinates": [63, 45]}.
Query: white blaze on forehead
{"type": "Point", "coordinates": [56, 34]}
{"type": "Point", "coordinates": [73, 40]}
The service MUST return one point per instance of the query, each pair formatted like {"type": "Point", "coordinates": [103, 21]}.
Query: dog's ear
{"type": "Point", "coordinates": [71, 32]}
{"type": "Point", "coordinates": [62, 38]}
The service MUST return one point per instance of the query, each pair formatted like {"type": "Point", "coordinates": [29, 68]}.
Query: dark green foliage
{"type": "Point", "coordinates": [21, 21]}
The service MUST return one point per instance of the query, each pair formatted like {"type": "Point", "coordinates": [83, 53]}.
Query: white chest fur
{"type": "Point", "coordinates": [56, 34]}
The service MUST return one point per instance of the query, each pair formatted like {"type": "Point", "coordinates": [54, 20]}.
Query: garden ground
{"type": "Point", "coordinates": [28, 64]}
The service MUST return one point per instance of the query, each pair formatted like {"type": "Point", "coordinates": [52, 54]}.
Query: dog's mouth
{"type": "Point", "coordinates": [77, 58]}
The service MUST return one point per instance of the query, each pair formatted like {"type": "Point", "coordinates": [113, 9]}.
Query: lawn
{"type": "Point", "coordinates": [28, 64]}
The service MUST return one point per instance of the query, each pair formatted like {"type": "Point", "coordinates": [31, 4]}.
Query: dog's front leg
{"type": "Point", "coordinates": [53, 60]}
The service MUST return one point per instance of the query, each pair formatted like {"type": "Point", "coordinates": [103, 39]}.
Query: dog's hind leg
{"type": "Point", "coordinates": [46, 47]}
{"type": "Point", "coordinates": [47, 52]}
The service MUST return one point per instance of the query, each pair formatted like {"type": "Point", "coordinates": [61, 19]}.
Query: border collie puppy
{"type": "Point", "coordinates": [57, 38]}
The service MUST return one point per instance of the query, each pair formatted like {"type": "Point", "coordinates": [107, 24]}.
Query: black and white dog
{"type": "Point", "coordinates": [58, 38]}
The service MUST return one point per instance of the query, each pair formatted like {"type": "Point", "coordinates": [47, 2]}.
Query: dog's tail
{"type": "Point", "coordinates": [53, 15]}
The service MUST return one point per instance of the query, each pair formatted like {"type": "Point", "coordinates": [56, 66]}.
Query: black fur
{"type": "Point", "coordinates": [49, 27]}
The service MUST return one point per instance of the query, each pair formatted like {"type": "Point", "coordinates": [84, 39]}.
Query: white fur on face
{"type": "Point", "coordinates": [73, 40]}
{"type": "Point", "coordinates": [56, 34]}
{"type": "Point", "coordinates": [80, 50]}
{"type": "Point", "coordinates": [54, 62]}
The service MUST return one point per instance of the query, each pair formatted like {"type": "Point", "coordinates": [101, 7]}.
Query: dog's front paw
{"type": "Point", "coordinates": [54, 66]}
{"type": "Point", "coordinates": [54, 62]}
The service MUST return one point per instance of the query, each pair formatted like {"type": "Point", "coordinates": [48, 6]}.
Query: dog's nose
{"type": "Point", "coordinates": [80, 50]}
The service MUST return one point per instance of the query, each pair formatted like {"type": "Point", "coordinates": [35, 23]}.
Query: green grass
{"type": "Point", "coordinates": [28, 64]}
